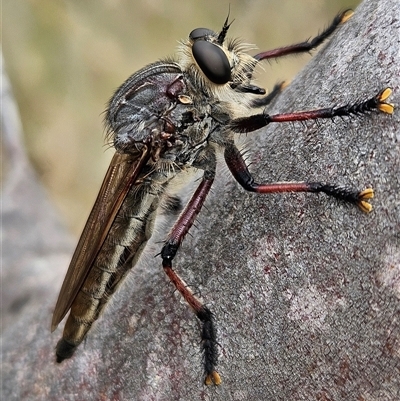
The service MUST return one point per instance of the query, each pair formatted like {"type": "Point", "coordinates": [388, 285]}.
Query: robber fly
{"type": "Point", "coordinates": [169, 117]}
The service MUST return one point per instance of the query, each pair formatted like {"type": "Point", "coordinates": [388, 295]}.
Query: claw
{"type": "Point", "coordinates": [382, 105]}
{"type": "Point", "coordinates": [363, 196]}
{"type": "Point", "coordinates": [346, 16]}
{"type": "Point", "coordinates": [284, 84]}
{"type": "Point", "coordinates": [213, 377]}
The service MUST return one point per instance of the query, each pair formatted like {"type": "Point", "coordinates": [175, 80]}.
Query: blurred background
{"type": "Point", "coordinates": [65, 59]}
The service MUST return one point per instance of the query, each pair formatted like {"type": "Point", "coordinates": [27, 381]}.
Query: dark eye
{"type": "Point", "coordinates": [200, 33]}
{"type": "Point", "coordinates": [212, 60]}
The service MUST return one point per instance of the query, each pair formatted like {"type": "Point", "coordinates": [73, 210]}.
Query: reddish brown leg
{"type": "Point", "coordinates": [303, 47]}
{"type": "Point", "coordinates": [308, 45]}
{"type": "Point", "coordinates": [257, 121]}
{"type": "Point", "coordinates": [168, 252]}
{"type": "Point", "coordinates": [239, 170]}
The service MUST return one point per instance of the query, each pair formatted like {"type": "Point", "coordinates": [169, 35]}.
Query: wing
{"type": "Point", "coordinates": [121, 174]}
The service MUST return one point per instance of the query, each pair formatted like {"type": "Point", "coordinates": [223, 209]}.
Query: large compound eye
{"type": "Point", "coordinates": [200, 33]}
{"type": "Point", "coordinates": [212, 60]}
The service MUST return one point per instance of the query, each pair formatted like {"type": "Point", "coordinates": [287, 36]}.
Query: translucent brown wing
{"type": "Point", "coordinates": [121, 174]}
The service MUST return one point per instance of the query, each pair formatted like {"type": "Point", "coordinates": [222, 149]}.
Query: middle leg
{"type": "Point", "coordinates": [240, 172]}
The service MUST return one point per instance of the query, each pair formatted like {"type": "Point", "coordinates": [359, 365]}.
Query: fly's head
{"type": "Point", "coordinates": [217, 64]}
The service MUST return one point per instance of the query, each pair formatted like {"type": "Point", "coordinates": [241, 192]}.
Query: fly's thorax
{"type": "Point", "coordinates": [139, 110]}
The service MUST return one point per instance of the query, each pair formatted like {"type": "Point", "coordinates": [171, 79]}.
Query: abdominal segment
{"type": "Point", "coordinates": [128, 235]}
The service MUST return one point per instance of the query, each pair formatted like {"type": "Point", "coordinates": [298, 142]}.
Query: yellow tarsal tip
{"type": "Point", "coordinates": [284, 84]}
{"type": "Point", "coordinates": [365, 206]}
{"type": "Point", "coordinates": [214, 377]}
{"type": "Point", "coordinates": [367, 193]}
{"type": "Point", "coordinates": [385, 94]}
{"type": "Point", "coordinates": [387, 108]}
{"type": "Point", "coordinates": [347, 15]}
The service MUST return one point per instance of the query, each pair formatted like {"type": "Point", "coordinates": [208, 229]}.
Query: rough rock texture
{"type": "Point", "coordinates": [305, 289]}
